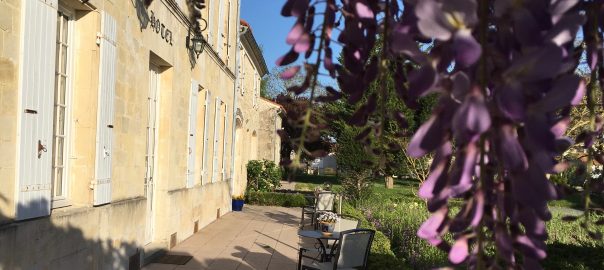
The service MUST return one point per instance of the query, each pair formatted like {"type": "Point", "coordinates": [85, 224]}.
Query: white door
{"type": "Point", "coordinates": [151, 149]}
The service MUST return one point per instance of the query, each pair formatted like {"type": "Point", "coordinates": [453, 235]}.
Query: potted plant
{"type": "Point", "coordinates": [327, 222]}
{"type": "Point", "coordinates": [238, 202]}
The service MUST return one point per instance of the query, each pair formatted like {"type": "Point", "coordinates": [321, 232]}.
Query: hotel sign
{"type": "Point", "coordinates": [160, 28]}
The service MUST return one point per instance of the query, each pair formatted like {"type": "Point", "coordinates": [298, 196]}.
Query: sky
{"type": "Point", "coordinates": [268, 26]}
{"type": "Point", "coordinates": [270, 29]}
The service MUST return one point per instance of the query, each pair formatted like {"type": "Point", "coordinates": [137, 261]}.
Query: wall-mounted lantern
{"type": "Point", "coordinates": [195, 42]}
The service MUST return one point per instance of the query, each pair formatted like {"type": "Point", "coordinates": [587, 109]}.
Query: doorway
{"type": "Point", "coordinates": [151, 151]}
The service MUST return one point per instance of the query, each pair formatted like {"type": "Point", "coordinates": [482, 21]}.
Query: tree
{"type": "Point", "coordinates": [274, 84]}
{"type": "Point", "coordinates": [389, 147]}
{"type": "Point", "coordinates": [318, 143]}
{"type": "Point", "coordinates": [504, 74]}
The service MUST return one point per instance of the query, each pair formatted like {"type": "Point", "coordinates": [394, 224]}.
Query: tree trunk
{"type": "Point", "coordinates": [389, 181]}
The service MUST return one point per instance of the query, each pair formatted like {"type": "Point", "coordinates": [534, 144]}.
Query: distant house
{"type": "Point", "coordinates": [325, 166]}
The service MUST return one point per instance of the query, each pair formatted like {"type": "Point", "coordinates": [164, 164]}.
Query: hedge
{"type": "Point", "coordinates": [381, 256]}
{"type": "Point", "coordinates": [275, 199]}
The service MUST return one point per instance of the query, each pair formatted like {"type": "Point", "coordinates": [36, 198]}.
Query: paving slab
{"type": "Point", "coordinates": [259, 237]}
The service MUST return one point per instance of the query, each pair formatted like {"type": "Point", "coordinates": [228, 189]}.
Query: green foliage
{"type": "Point", "coordinates": [350, 154]}
{"type": "Point", "coordinates": [276, 199]}
{"type": "Point", "coordinates": [398, 213]}
{"type": "Point", "coordinates": [263, 175]}
{"type": "Point", "coordinates": [316, 179]}
{"type": "Point", "coordinates": [381, 256]}
{"type": "Point", "coordinates": [316, 141]}
{"type": "Point", "coordinates": [357, 186]}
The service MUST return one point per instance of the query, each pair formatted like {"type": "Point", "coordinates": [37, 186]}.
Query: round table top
{"type": "Point", "coordinates": [319, 235]}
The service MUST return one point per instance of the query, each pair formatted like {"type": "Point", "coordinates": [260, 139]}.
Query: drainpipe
{"type": "Point", "coordinates": [236, 97]}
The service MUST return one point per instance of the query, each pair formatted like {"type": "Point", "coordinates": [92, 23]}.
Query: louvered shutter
{"type": "Point", "coordinates": [220, 45]}
{"type": "Point", "coordinates": [37, 90]}
{"type": "Point", "coordinates": [205, 136]}
{"type": "Point", "coordinates": [210, 22]}
{"type": "Point", "coordinates": [224, 143]}
{"type": "Point", "coordinates": [104, 139]}
{"type": "Point", "coordinates": [192, 135]}
{"type": "Point", "coordinates": [215, 168]}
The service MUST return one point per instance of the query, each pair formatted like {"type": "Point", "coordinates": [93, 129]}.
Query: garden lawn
{"type": "Point", "coordinates": [398, 212]}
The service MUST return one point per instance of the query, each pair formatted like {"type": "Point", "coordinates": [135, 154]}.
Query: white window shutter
{"type": "Point", "coordinates": [192, 134]}
{"type": "Point", "coordinates": [37, 90]}
{"type": "Point", "coordinates": [104, 140]}
{"type": "Point", "coordinates": [220, 34]}
{"type": "Point", "coordinates": [242, 82]}
{"type": "Point", "coordinates": [224, 143]}
{"type": "Point", "coordinates": [211, 8]}
{"type": "Point", "coordinates": [205, 136]}
{"type": "Point", "coordinates": [215, 145]}
{"type": "Point", "coordinates": [255, 91]}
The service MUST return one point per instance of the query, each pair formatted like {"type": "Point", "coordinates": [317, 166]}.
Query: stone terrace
{"type": "Point", "coordinates": [260, 237]}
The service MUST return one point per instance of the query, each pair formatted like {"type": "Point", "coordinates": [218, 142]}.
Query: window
{"type": "Point", "coordinates": [61, 107]}
{"type": "Point", "coordinates": [224, 141]}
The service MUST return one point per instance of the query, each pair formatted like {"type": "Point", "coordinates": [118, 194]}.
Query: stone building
{"type": "Point", "coordinates": [258, 118]}
{"type": "Point", "coordinates": [116, 139]}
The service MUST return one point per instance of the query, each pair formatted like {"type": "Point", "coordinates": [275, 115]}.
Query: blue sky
{"type": "Point", "coordinates": [269, 27]}
{"type": "Point", "coordinates": [270, 30]}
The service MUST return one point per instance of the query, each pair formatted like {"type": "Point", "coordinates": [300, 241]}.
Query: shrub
{"type": "Point", "coordinates": [263, 175]}
{"type": "Point", "coordinates": [381, 256]}
{"type": "Point", "coordinates": [356, 185]}
{"type": "Point", "coordinates": [276, 199]}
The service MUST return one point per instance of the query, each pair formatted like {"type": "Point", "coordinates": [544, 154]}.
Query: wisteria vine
{"type": "Point", "coordinates": [505, 74]}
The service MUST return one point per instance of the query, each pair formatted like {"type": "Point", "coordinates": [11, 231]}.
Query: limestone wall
{"type": "Point", "coordinates": [269, 123]}
{"type": "Point", "coordinates": [9, 66]}
{"type": "Point", "coordinates": [80, 236]}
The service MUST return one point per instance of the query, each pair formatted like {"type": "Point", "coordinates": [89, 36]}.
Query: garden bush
{"type": "Point", "coordinates": [381, 256]}
{"type": "Point", "coordinates": [398, 213]}
{"type": "Point", "coordinates": [263, 175]}
{"type": "Point", "coordinates": [275, 199]}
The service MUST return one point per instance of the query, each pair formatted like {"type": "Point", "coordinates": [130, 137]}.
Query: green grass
{"type": "Point", "coordinates": [398, 212]}
{"type": "Point", "coordinates": [575, 201]}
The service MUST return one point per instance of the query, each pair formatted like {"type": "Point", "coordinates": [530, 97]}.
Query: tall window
{"type": "Point", "coordinates": [224, 141]}
{"type": "Point", "coordinates": [61, 107]}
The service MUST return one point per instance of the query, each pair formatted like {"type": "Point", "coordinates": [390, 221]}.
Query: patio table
{"type": "Point", "coordinates": [319, 236]}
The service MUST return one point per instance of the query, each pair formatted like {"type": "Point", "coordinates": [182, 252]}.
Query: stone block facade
{"type": "Point", "coordinates": [176, 129]}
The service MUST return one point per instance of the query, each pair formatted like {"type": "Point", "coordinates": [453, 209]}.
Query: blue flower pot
{"type": "Point", "coordinates": [237, 205]}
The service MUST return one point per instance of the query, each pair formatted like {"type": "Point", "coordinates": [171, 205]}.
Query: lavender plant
{"type": "Point", "coordinates": [505, 74]}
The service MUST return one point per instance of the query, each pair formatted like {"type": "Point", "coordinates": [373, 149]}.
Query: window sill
{"type": "Point", "coordinates": [60, 203]}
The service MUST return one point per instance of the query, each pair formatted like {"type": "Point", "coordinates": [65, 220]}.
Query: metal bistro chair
{"type": "Point", "coordinates": [323, 202]}
{"type": "Point", "coordinates": [351, 253]}
{"type": "Point", "coordinates": [345, 223]}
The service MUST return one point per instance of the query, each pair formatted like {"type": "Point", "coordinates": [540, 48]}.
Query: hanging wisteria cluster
{"type": "Point", "coordinates": [505, 74]}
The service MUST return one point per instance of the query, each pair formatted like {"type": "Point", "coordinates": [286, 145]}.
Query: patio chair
{"type": "Point", "coordinates": [345, 223]}
{"type": "Point", "coordinates": [323, 202]}
{"type": "Point", "coordinates": [351, 252]}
